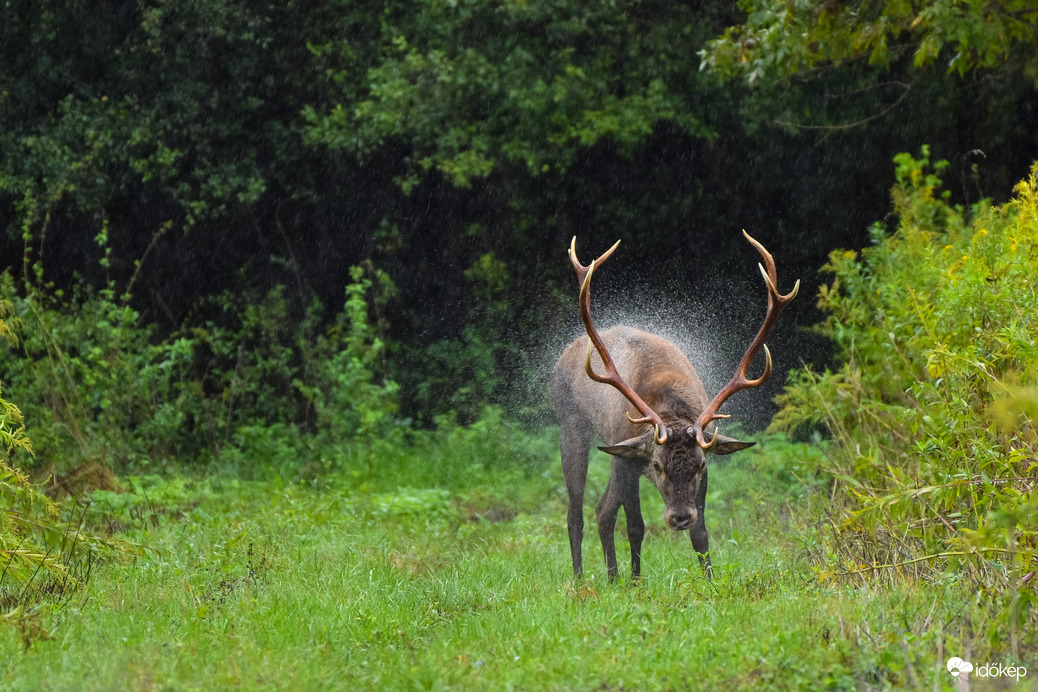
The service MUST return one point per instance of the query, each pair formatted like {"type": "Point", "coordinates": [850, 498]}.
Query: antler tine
{"type": "Point", "coordinates": [770, 274]}
{"type": "Point", "coordinates": [612, 376]}
{"type": "Point", "coordinates": [582, 271]}
{"type": "Point", "coordinates": [739, 381]}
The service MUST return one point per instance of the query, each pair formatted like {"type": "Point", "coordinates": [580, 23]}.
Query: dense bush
{"type": "Point", "coordinates": [98, 387]}
{"type": "Point", "coordinates": [933, 408]}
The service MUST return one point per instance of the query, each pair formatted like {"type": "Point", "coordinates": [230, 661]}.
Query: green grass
{"type": "Point", "coordinates": [267, 586]}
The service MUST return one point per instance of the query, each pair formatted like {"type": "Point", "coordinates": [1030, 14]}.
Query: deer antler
{"type": "Point", "coordinates": [739, 381]}
{"type": "Point", "coordinates": [612, 377]}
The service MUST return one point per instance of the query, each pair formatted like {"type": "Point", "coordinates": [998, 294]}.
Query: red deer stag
{"type": "Point", "coordinates": [660, 382]}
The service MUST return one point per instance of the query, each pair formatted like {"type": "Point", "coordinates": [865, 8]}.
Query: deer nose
{"type": "Point", "coordinates": [679, 520]}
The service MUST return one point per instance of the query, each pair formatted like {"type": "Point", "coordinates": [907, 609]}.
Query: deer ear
{"type": "Point", "coordinates": [727, 445]}
{"type": "Point", "coordinates": [634, 448]}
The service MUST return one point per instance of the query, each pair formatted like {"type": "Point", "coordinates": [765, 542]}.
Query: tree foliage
{"type": "Point", "coordinates": [468, 86]}
{"type": "Point", "coordinates": [781, 38]}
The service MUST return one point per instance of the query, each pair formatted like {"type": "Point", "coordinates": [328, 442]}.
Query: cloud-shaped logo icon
{"type": "Point", "coordinates": [956, 665]}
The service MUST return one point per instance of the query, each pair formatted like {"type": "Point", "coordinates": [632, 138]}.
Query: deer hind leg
{"type": "Point", "coordinates": [700, 538]}
{"type": "Point", "coordinates": [575, 447]}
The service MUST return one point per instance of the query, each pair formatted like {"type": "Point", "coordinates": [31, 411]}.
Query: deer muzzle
{"type": "Point", "coordinates": [681, 519]}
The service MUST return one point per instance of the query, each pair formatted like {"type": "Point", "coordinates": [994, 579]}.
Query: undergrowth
{"type": "Point", "coordinates": [44, 558]}
{"type": "Point", "coordinates": [102, 389]}
{"type": "Point", "coordinates": [932, 411]}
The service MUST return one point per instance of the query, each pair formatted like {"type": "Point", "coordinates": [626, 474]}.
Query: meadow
{"type": "Point", "coordinates": [357, 581]}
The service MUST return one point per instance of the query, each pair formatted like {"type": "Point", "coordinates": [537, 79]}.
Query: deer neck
{"type": "Point", "coordinates": [675, 396]}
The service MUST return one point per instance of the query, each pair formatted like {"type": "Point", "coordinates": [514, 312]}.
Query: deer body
{"type": "Point", "coordinates": [667, 444]}
{"type": "Point", "coordinates": [665, 379]}
{"type": "Point", "coordinates": [653, 366]}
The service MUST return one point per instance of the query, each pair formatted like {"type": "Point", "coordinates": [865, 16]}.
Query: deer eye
{"type": "Point", "coordinates": [657, 466]}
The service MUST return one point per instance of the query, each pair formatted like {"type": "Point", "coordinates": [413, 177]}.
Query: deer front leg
{"type": "Point", "coordinates": [627, 479]}
{"type": "Point", "coordinates": [700, 538]}
{"type": "Point", "coordinates": [608, 508]}
{"type": "Point", "coordinates": [701, 543]}
{"type": "Point", "coordinates": [575, 519]}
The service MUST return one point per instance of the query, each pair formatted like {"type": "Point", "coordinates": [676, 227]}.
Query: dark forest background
{"type": "Point", "coordinates": [217, 168]}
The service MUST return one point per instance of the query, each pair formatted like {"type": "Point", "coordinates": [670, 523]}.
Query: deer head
{"type": "Point", "coordinates": [675, 467]}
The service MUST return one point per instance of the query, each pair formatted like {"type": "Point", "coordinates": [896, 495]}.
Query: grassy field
{"type": "Point", "coordinates": [265, 585]}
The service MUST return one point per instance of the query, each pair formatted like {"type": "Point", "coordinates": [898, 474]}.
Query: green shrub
{"type": "Point", "coordinates": [462, 373]}
{"type": "Point", "coordinates": [41, 557]}
{"type": "Point", "coordinates": [93, 387]}
{"type": "Point", "coordinates": [932, 410]}
{"type": "Point", "coordinates": [98, 386]}
{"type": "Point", "coordinates": [352, 401]}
